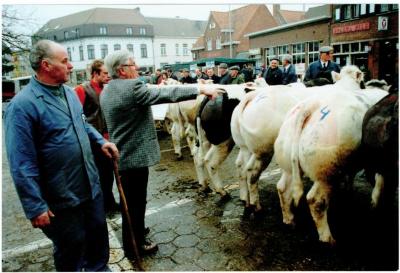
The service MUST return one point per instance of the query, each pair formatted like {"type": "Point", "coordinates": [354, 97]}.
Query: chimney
{"type": "Point", "coordinates": [276, 10]}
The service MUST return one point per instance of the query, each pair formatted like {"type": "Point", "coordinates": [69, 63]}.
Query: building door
{"type": "Point", "coordinates": [388, 58]}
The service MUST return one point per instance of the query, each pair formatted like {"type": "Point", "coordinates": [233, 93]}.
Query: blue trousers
{"type": "Point", "coordinates": [80, 237]}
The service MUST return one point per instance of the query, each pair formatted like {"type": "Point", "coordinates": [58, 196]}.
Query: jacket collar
{"type": "Point", "coordinates": [40, 90]}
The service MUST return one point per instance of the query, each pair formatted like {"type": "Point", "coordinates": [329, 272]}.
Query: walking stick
{"type": "Point", "coordinates": [128, 218]}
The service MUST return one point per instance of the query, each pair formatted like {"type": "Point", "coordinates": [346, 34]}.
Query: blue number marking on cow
{"type": "Point", "coordinates": [324, 113]}
{"type": "Point", "coordinates": [260, 97]}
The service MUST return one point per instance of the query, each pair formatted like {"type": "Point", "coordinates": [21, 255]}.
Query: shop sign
{"type": "Point", "coordinates": [351, 28]}
{"type": "Point", "coordinates": [254, 51]}
{"type": "Point", "coordinates": [383, 23]}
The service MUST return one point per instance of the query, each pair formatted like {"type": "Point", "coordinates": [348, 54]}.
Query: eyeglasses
{"type": "Point", "coordinates": [128, 65]}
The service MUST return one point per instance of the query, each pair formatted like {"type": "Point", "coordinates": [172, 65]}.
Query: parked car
{"type": "Point", "coordinates": [10, 87]}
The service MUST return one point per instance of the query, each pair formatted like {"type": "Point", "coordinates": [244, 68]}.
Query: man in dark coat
{"type": "Point", "coordinates": [273, 75]}
{"type": "Point", "coordinates": [223, 73]}
{"type": "Point", "coordinates": [186, 78]}
{"type": "Point", "coordinates": [323, 65]}
{"type": "Point", "coordinates": [289, 71]}
{"type": "Point", "coordinates": [212, 76]}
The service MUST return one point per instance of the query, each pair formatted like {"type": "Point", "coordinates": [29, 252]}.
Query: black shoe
{"type": "Point", "coordinates": [148, 248]}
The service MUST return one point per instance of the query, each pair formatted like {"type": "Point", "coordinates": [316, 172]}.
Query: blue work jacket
{"type": "Point", "coordinates": [48, 149]}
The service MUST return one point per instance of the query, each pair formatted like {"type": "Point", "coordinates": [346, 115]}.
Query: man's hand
{"type": "Point", "coordinates": [211, 90]}
{"type": "Point", "coordinates": [110, 150]}
{"type": "Point", "coordinates": [42, 220]}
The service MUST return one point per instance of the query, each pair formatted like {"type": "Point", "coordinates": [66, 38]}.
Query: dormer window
{"type": "Point", "coordinates": [129, 31]}
{"type": "Point", "coordinates": [103, 31]}
{"type": "Point", "coordinates": [212, 25]}
{"type": "Point", "coordinates": [142, 31]}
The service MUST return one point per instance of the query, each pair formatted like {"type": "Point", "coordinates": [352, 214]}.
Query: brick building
{"type": "Point", "coordinates": [367, 35]}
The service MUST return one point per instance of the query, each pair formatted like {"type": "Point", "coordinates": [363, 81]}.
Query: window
{"type": "Point", "coordinates": [218, 43]}
{"type": "Point", "coordinates": [271, 52]}
{"type": "Point", "coordinates": [371, 8]}
{"type": "Point", "coordinates": [81, 53]}
{"type": "Point", "coordinates": [299, 55]}
{"type": "Point", "coordinates": [103, 31]}
{"type": "Point", "coordinates": [69, 53]}
{"type": "Point", "coordinates": [177, 49]}
{"type": "Point", "coordinates": [163, 49]}
{"type": "Point", "coordinates": [66, 35]}
{"type": "Point", "coordinates": [143, 51]}
{"type": "Point", "coordinates": [77, 34]}
{"type": "Point", "coordinates": [395, 7]}
{"type": "Point", "coordinates": [185, 50]}
{"type": "Point", "coordinates": [345, 48]}
{"type": "Point", "coordinates": [129, 47]}
{"type": "Point", "coordinates": [313, 51]}
{"type": "Point", "coordinates": [209, 44]}
{"type": "Point", "coordinates": [117, 47]}
{"type": "Point", "coordinates": [356, 11]}
{"type": "Point", "coordinates": [337, 14]}
{"type": "Point", "coordinates": [347, 12]}
{"type": "Point", "coordinates": [337, 49]}
{"type": "Point", "coordinates": [129, 31]}
{"type": "Point", "coordinates": [384, 7]}
{"type": "Point", "coordinates": [282, 50]}
{"type": "Point", "coordinates": [142, 31]}
{"type": "Point", "coordinates": [104, 51]}
{"type": "Point", "coordinates": [363, 9]}
{"type": "Point", "coordinates": [90, 52]}
{"type": "Point", "coordinates": [355, 47]}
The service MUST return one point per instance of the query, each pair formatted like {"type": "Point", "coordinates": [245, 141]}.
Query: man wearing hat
{"type": "Point", "coordinates": [273, 75]}
{"type": "Point", "coordinates": [234, 77]}
{"type": "Point", "coordinates": [223, 73]}
{"type": "Point", "coordinates": [323, 66]}
{"type": "Point", "coordinates": [186, 78]}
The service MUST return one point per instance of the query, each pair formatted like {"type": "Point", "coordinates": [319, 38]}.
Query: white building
{"type": "Point", "coordinates": [94, 33]}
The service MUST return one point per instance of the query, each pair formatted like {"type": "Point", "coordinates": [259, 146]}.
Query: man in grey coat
{"type": "Point", "coordinates": [126, 105]}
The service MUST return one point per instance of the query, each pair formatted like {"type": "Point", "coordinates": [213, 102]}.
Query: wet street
{"type": "Point", "coordinates": [204, 233]}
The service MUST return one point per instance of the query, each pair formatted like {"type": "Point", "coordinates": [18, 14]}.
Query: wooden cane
{"type": "Point", "coordinates": [128, 218]}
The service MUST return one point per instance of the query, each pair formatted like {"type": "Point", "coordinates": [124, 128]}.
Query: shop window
{"type": "Point", "coordinates": [313, 51]}
{"type": "Point", "coordinates": [336, 49]}
{"type": "Point", "coordinates": [363, 9]}
{"type": "Point", "coordinates": [355, 47]}
{"type": "Point", "coordinates": [299, 55]}
{"type": "Point", "coordinates": [364, 46]}
{"type": "Point", "coordinates": [345, 48]}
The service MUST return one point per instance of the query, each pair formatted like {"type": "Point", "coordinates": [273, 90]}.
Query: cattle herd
{"type": "Point", "coordinates": [325, 133]}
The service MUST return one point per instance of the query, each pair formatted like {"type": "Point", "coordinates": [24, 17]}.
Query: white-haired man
{"type": "Point", "coordinates": [289, 71]}
{"type": "Point", "coordinates": [126, 105]}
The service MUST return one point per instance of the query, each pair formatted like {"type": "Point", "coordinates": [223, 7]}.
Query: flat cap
{"type": "Point", "coordinates": [325, 49]}
{"type": "Point", "coordinates": [223, 65]}
{"type": "Point", "coordinates": [235, 67]}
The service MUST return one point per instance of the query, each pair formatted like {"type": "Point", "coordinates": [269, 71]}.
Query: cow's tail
{"type": "Point", "coordinates": [304, 111]}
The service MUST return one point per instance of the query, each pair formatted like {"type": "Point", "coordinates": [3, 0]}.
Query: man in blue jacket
{"type": "Point", "coordinates": [51, 162]}
{"type": "Point", "coordinates": [318, 68]}
{"type": "Point", "coordinates": [289, 71]}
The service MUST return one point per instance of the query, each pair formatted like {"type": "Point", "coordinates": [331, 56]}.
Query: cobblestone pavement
{"type": "Point", "coordinates": [204, 233]}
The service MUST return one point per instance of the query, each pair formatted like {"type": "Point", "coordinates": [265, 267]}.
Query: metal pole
{"type": "Point", "coordinates": [125, 210]}
{"type": "Point", "coordinates": [230, 33]}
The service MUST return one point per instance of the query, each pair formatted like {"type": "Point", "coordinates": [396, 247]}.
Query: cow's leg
{"type": "Point", "coordinates": [213, 160]}
{"type": "Point", "coordinates": [201, 170]}
{"type": "Point", "coordinates": [377, 191]}
{"type": "Point", "coordinates": [191, 136]}
{"type": "Point", "coordinates": [285, 197]}
{"type": "Point", "coordinates": [318, 200]}
{"type": "Point", "coordinates": [176, 139]}
{"type": "Point", "coordinates": [254, 168]}
{"type": "Point", "coordinates": [243, 157]}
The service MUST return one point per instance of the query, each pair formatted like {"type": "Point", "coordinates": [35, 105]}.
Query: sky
{"type": "Point", "coordinates": [40, 14]}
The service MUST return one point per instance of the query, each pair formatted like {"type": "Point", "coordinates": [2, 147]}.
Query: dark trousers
{"type": "Point", "coordinates": [80, 237]}
{"type": "Point", "coordinates": [105, 168]}
{"type": "Point", "coordinates": [134, 184]}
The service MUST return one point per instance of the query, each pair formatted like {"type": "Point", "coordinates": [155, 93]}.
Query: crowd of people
{"type": "Point", "coordinates": [60, 142]}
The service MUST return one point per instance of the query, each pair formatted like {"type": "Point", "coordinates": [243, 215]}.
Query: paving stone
{"type": "Point", "coordinates": [114, 242]}
{"type": "Point", "coordinates": [208, 232]}
{"type": "Point", "coordinates": [165, 250]}
{"type": "Point", "coordinates": [202, 213]}
{"type": "Point", "coordinates": [209, 245]}
{"type": "Point", "coordinates": [9, 266]}
{"type": "Point", "coordinates": [183, 255]}
{"type": "Point", "coordinates": [125, 265]}
{"type": "Point", "coordinates": [165, 264]}
{"type": "Point", "coordinates": [187, 229]}
{"type": "Point", "coordinates": [114, 267]}
{"type": "Point", "coordinates": [238, 263]}
{"type": "Point", "coordinates": [186, 240]}
{"type": "Point", "coordinates": [188, 267]}
{"type": "Point", "coordinates": [164, 237]}
{"type": "Point", "coordinates": [212, 262]}
{"type": "Point", "coordinates": [116, 255]}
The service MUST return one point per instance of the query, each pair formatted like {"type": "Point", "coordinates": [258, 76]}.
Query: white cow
{"type": "Point", "coordinates": [318, 139]}
{"type": "Point", "coordinates": [256, 121]}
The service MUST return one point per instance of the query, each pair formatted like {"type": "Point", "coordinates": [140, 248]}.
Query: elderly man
{"type": "Point", "coordinates": [89, 93]}
{"type": "Point", "coordinates": [223, 73]}
{"type": "Point", "coordinates": [273, 75]}
{"type": "Point", "coordinates": [126, 104]}
{"type": "Point", "coordinates": [186, 78]}
{"type": "Point", "coordinates": [323, 66]}
{"type": "Point", "coordinates": [48, 146]}
{"type": "Point", "coordinates": [234, 76]}
{"type": "Point", "coordinates": [289, 71]}
{"type": "Point", "coordinates": [212, 76]}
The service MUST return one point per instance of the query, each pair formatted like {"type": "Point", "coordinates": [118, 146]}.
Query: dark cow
{"type": "Point", "coordinates": [380, 146]}
{"type": "Point", "coordinates": [323, 78]}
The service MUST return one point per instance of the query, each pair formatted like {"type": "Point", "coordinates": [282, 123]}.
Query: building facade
{"type": "Point", "coordinates": [93, 34]}
{"type": "Point", "coordinates": [367, 35]}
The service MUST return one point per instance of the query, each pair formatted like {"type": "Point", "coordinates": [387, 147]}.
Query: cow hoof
{"type": "Point", "coordinates": [225, 198]}
{"type": "Point", "coordinates": [204, 191]}
{"type": "Point", "coordinates": [179, 157]}
{"type": "Point", "coordinates": [247, 212]}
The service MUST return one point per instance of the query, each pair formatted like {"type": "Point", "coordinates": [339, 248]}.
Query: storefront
{"type": "Point", "coordinates": [366, 35]}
